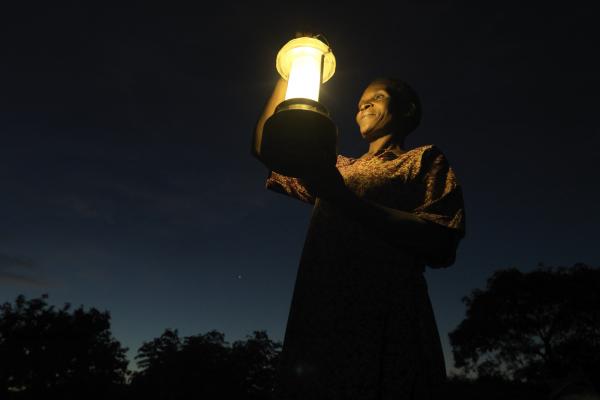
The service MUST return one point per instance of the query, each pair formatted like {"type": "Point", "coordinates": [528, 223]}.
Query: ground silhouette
{"type": "Point", "coordinates": [61, 353]}
{"type": "Point", "coordinates": [539, 327]}
{"type": "Point", "coordinates": [205, 366]}
{"type": "Point", "coordinates": [533, 335]}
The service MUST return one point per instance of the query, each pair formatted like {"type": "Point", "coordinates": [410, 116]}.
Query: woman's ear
{"type": "Point", "coordinates": [411, 110]}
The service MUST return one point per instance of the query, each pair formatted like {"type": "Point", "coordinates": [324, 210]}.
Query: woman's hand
{"type": "Point", "coordinates": [326, 183]}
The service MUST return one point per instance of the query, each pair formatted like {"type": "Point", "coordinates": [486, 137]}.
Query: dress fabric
{"type": "Point", "coordinates": [360, 324]}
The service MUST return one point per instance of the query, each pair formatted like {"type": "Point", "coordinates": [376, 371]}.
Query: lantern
{"type": "Point", "coordinates": [299, 137]}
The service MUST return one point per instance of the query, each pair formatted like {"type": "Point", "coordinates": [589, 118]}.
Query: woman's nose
{"type": "Point", "coordinates": [365, 106]}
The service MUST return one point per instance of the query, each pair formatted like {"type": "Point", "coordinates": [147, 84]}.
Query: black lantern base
{"type": "Point", "coordinates": [299, 137]}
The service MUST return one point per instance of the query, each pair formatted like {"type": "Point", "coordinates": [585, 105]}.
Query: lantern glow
{"type": "Point", "coordinates": [305, 63]}
{"type": "Point", "coordinates": [305, 74]}
{"type": "Point", "coordinates": [300, 134]}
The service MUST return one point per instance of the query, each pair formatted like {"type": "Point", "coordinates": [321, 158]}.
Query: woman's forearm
{"type": "Point", "coordinates": [398, 226]}
{"type": "Point", "coordinates": [277, 97]}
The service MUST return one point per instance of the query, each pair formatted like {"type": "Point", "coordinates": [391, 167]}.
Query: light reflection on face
{"type": "Point", "coordinates": [374, 116]}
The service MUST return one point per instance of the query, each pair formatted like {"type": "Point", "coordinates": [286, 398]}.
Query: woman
{"type": "Point", "coordinates": [361, 324]}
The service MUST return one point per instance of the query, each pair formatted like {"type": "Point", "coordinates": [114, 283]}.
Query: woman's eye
{"type": "Point", "coordinates": [378, 97]}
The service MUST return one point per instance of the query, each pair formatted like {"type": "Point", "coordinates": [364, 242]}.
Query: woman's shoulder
{"type": "Point", "coordinates": [425, 150]}
{"type": "Point", "coordinates": [426, 155]}
{"type": "Point", "coordinates": [420, 160]}
{"type": "Point", "coordinates": [416, 155]}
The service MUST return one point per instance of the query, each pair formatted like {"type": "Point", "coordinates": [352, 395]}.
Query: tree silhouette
{"type": "Point", "coordinates": [204, 366]}
{"type": "Point", "coordinates": [156, 355]}
{"type": "Point", "coordinates": [532, 327]}
{"type": "Point", "coordinates": [256, 360]}
{"type": "Point", "coordinates": [57, 352]}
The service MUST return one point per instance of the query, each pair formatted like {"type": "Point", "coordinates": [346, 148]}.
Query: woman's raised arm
{"type": "Point", "coordinates": [277, 97]}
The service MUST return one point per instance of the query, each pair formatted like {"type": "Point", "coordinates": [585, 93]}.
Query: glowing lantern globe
{"type": "Point", "coordinates": [300, 136]}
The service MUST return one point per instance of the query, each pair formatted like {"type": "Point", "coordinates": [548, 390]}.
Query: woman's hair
{"type": "Point", "coordinates": [404, 101]}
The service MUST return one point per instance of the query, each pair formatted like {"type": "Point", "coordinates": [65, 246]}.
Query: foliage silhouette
{"type": "Point", "coordinates": [521, 331]}
{"type": "Point", "coordinates": [205, 366]}
{"type": "Point", "coordinates": [532, 327]}
{"type": "Point", "coordinates": [58, 352]}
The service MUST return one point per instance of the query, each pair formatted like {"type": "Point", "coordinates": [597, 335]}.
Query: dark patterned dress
{"type": "Point", "coordinates": [361, 324]}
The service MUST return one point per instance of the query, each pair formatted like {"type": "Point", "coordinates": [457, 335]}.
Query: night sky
{"type": "Point", "coordinates": [126, 176]}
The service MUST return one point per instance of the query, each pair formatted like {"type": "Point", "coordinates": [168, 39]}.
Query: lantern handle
{"type": "Point", "coordinates": [323, 39]}
{"type": "Point", "coordinates": [318, 36]}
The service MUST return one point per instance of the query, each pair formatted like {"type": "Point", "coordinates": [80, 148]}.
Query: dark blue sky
{"type": "Point", "coordinates": [127, 182]}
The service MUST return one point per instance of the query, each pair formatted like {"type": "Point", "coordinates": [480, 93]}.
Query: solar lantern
{"type": "Point", "coordinates": [300, 135]}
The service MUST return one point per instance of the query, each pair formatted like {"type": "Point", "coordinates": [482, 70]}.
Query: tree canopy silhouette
{"type": "Point", "coordinates": [46, 351]}
{"type": "Point", "coordinates": [205, 366]}
{"type": "Point", "coordinates": [532, 327]}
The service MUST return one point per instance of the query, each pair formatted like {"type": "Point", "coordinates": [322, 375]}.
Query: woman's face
{"type": "Point", "coordinates": [374, 116]}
